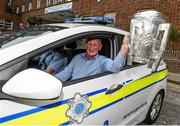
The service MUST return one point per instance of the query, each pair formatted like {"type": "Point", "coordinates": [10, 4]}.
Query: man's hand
{"type": "Point", "coordinates": [49, 70]}
{"type": "Point", "coordinates": [125, 46]}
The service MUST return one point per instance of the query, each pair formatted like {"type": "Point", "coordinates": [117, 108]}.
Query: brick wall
{"type": "Point", "coordinates": [126, 8]}
{"type": "Point", "coordinates": [33, 12]}
{"type": "Point", "coordinates": [8, 16]}
{"type": "Point", "coordinates": [172, 57]}
{"type": "Point", "coordinates": [173, 66]}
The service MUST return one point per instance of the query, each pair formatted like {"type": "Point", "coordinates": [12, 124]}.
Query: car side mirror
{"type": "Point", "coordinates": [33, 84]}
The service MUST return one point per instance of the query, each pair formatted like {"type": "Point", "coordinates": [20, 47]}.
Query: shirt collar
{"type": "Point", "coordinates": [84, 56]}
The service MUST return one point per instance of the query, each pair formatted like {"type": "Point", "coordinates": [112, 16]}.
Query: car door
{"type": "Point", "coordinates": [92, 100]}
{"type": "Point", "coordinates": [135, 93]}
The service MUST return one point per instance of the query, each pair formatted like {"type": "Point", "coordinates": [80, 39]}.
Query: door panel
{"type": "Point", "coordinates": [138, 93]}
{"type": "Point", "coordinates": [120, 107]}
{"type": "Point", "coordinates": [54, 112]}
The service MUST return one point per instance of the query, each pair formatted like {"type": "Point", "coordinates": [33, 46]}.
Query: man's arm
{"type": "Point", "coordinates": [56, 65]}
{"type": "Point", "coordinates": [125, 46]}
{"type": "Point", "coordinates": [118, 63]}
{"type": "Point", "coordinates": [67, 72]}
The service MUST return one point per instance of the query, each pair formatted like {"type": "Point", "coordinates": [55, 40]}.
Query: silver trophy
{"type": "Point", "coordinates": [149, 33]}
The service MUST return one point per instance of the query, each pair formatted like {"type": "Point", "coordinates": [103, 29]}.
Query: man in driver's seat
{"type": "Point", "coordinates": [52, 62]}
{"type": "Point", "coordinates": [91, 63]}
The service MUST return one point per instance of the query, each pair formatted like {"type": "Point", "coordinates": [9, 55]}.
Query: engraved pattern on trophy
{"type": "Point", "coordinates": [149, 34]}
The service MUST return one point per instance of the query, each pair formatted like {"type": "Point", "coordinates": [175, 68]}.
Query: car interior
{"type": "Point", "coordinates": [69, 50]}
{"type": "Point", "coordinates": [73, 48]}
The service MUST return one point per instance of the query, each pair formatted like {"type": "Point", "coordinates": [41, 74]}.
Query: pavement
{"type": "Point", "coordinates": [174, 77]}
{"type": "Point", "coordinates": [171, 106]}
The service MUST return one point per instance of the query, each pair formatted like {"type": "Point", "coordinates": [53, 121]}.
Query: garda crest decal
{"type": "Point", "coordinates": [78, 108]}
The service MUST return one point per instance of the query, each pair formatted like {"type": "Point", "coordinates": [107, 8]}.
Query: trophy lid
{"type": "Point", "coordinates": [150, 14]}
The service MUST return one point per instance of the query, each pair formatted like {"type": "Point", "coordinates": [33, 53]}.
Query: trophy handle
{"type": "Point", "coordinates": [163, 34]}
{"type": "Point", "coordinates": [159, 46]}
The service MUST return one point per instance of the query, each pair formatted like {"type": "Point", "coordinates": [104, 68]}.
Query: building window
{"type": "Point", "coordinates": [57, 1]}
{"type": "Point", "coordinates": [29, 6]}
{"type": "Point", "coordinates": [9, 25]}
{"type": "Point", "coordinates": [2, 22]}
{"type": "Point", "coordinates": [23, 8]}
{"type": "Point", "coordinates": [48, 2]}
{"type": "Point", "coordinates": [38, 4]}
{"type": "Point", "coordinates": [111, 15]}
{"type": "Point", "coordinates": [61, 1]}
{"type": "Point", "coordinates": [54, 2]}
{"type": "Point", "coordinates": [17, 10]}
{"type": "Point", "coordinates": [10, 3]}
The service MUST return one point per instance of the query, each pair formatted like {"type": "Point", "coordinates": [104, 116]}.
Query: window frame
{"type": "Point", "coordinates": [9, 25]}
{"type": "Point", "coordinates": [48, 2]}
{"type": "Point", "coordinates": [112, 15]}
{"type": "Point", "coordinates": [51, 46]}
{"type": "Point", "coordinates": [65, 41]}
{"type": "Point", "coordinates": [2, 21]}
{"type": "Point", "coordinates": [17, 10]}
{"type": "Point", "coordinates": [38, 4]}
{"type": "Point", "coordinates": [23, 8]}
{"type": "Point", "coordinates": [29, 6]}
{"type": "Point", "coordinates": [10, 3]}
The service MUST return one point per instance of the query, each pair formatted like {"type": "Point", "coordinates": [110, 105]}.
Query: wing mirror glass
{"type": "Point", "coordinates": [33, 84]}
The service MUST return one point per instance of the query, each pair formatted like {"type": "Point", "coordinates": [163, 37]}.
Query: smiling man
{"type": "Point", "coordinates": [91, 63]}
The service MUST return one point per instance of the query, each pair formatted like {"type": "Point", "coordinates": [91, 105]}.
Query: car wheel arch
{"type": "Point", "coordinates": [147, 119]}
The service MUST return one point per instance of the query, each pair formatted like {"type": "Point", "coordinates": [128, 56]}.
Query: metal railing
{"type": "Point", "coordinates": [57, 2]}
{"type": "Point", "coordinates": [172, 59]}
{"type": "Point", "coordinates": [172, 55]}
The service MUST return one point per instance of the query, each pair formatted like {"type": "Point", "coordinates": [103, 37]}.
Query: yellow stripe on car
{"type": "Point", "coordinates": [144, 82]}
{"type": "Point", "coordinates": [57, 115]}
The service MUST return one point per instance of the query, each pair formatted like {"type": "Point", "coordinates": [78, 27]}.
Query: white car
{"type": "Point", "coordinates": [31, 97]}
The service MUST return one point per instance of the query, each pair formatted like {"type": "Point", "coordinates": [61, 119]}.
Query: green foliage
{"type": "Point", "coordinates": [174, 35]}
{"type": "Point", "coordinates": [33, 21]}
{"type": "Point", "coordinates": [127, 28]}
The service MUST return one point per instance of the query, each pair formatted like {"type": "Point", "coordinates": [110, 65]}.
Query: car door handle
{"type": "Point", "coordinates": [114, 88]}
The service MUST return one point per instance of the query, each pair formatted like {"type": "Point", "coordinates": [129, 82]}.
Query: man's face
{"type": "Point", "coordinates": [21, 25]}
{"type": "Point", "coordinates": [93, 47]}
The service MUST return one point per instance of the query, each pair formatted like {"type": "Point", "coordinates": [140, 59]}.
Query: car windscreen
{"type": "Point", "coordinates": [8, 39]}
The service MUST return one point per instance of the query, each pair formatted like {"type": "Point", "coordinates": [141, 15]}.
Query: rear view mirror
{"type": "Point", "coordinates": [33, 84]}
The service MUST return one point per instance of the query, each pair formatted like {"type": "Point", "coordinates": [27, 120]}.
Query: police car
{"type": "Point", "coordinates": [31, 97]}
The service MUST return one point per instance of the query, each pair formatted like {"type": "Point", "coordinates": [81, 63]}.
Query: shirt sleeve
{"type": "Point", "coordinates": [67, 72]}
{"type": "Point", "coordinates": [114, 65]}
{"type": "Point", "coordinates": [42, 61]}
{"type": "Point", "coordinates": [42, 57]}
{"type": "Point", "coordinates": [58, 64]}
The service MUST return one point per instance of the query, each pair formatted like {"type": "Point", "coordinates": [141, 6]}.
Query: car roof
{"type": "Point", "coordinates": [66, 25]}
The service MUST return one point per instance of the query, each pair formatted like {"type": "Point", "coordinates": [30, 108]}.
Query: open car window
{"type": "Point", "coordinates": [78, 47]}
{"type": "Point", "coordinates": [71, 47]}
